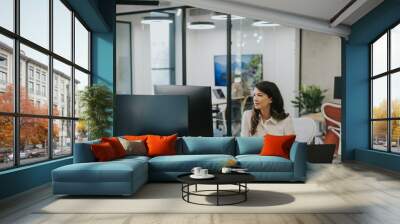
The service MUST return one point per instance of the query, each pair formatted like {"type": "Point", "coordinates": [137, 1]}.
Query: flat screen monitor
{"type": "Point", "coordinates": [200, 109]}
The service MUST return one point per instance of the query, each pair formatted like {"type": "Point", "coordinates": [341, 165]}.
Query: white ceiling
{"type": "Point", "coordinates": [320, 9]}
{"type": "Point", "coordinates": [306, 14]}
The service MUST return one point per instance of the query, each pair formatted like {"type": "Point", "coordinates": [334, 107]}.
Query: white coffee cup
{"type": "Point", "coordinates": [196, 171]}
{"type": "Point", "coordinates": [203, 172]}
{"type": "Point", "coordinates": [226, 170]}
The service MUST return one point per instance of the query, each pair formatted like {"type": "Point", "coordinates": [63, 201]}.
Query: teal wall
{"type": "Point", "coordinates": [99, 15]}
{"type": "Point", "coordinates": [24, 178]}
{"type": "Point", "coordinates": [355, 145]}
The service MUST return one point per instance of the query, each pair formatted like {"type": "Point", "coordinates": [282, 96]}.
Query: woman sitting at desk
{"type": "Point", "coordinates": [267, 115]}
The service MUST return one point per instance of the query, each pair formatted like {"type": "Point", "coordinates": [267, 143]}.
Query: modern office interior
{"type": "Point", "coordinates": [168, 82]}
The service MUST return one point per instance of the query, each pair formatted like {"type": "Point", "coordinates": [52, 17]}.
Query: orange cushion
{"type": "Point", "coordinates": [116, 145]}
{"type": "Point", "coordinates": [161, 145]}
{"type": "Point", "coordinates": [136, 137]}
{"type": "Point", "coordinates": [277, 145]}
{"type": "Point", "coordinates": [103, 151]}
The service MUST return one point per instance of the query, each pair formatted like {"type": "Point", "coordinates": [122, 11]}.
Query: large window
{"type": "Point", "coordinates": [385, 95]}
{"type": "Point", "coordinates": [37, 66]}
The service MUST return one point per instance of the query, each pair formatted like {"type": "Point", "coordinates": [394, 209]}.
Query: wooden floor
{"type": "Point", "coordinates": [378, 189]}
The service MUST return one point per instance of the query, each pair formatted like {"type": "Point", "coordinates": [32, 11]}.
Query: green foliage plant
{"type": "Point", "coordinates": [96, 104]}
{"type": "Point", "coordinates": [309, 99]}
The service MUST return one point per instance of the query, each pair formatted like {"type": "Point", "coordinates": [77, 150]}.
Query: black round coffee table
{"type": "Point", "coordinates": [238, 179]}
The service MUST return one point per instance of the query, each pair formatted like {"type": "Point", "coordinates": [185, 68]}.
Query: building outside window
{"type": "Point", "coordinates": [34, 79]}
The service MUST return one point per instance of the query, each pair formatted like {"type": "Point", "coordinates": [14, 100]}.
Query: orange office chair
{"type": "Point", "coordinates": [332, 115]}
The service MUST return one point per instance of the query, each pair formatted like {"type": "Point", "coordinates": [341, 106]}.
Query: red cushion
{"type": "Point", "coordinates": [103, 152]}
{"type": "Point", "coordinates": [161, 145]}
{"type": "Point", "coordinates": [116, 145]}
{"type": "Point", "coordinates": [277, 145]}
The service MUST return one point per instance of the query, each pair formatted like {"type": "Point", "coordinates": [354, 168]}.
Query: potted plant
{"type": "Point", "coordinates": [309, 99]}
{"type": "Point", "coordinates": [96, 104]}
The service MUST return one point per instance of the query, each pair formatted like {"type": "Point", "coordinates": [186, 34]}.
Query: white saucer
{"type": "Point", "coordinates": [208, 176]}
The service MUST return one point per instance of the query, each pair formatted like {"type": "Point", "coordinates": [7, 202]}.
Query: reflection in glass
{"type": "Point", "coordinates": [6, 74]}
{"type": "Point", "coordinates": [156, 49]}
{"type": "Point", "coordinates": [379, 135]}
{"type": "Point", "coordinates": [379, 56]}
{"type": "Point", "coordinates": [33, 140]}
{"type": "Point", "coordinates": [62, 29]}
{"type": "Point", "coordinates": [206, 62]}
{"type": "Point", "coordinates": [62, 89]}
{"type": "Point", "coordinates": [81, 45]}
{"type": "Point", "coordinates": [6, 142]}
{"type": "Point", "coordinates": [7, 14]}
{"type": "Point", "coordinates": [395, 136]}
{"type": "Point", "coordinates": [248, 48]}
{"type": "Point", "coordinates": [62, 138]}
{"type": "Point", "coordinates": [34, 78]}
{"type": "Point", "coordinates": [35, 21]}
{"type": "Point", "coordinates": [81, 81]}
{"type": "Point", "coordinates": [379, 98]}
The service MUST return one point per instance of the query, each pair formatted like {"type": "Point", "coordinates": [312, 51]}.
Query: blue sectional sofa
{"type": "Point", "coordinates": [125, 176]}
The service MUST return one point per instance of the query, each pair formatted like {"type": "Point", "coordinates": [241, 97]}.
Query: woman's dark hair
{"type": "Point", "coordinates": [277, 111]}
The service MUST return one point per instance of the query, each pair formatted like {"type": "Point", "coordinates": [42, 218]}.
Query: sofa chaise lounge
{"type": "Point", "coordinates": [125, 176]}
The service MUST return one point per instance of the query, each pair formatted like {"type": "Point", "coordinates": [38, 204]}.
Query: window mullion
{"type": "Point", "coordinates": [16, 84]}
{"type": "Point", "coordinates": [389, 114]}
{"type": "Point", "coordinates": [50, 81]}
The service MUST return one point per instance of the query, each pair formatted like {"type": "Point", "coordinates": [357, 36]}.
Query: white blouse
{"type": "Point", "coordinates": [270, 126]}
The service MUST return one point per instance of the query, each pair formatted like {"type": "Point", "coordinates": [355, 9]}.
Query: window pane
{"type": "Point", "coordinates": [161, 77]}
{"type": "Point", "coordinates": [124, 59]}
{"type": "Point", "coordinates": [62, 29]}
{"type": "Point", "coordinates": [395, 47]}
{"type": "Point", "coordinates": [395, 94]}
{"type": "Point", "coordinates": [81, 81]}
{"type": "Point", "coordinates": [81, 131]}
{"type": "Point", "coordinates": [62, 138]}
{"type": "Point", "coordinates": [379, 97]}
{"type": "Point", "coordinates": [33, 139]}
{"type": "Point", "coordinates": [62, 89]}
{"type": "Point", "coordinates": [35, 21]}
{"type": "Point", "coordinates": [379, 135]}
{"type": "Point", "coordinates": [6, 142]}
{"type": "Point", "coordinates": [160, 45]}
{"type": "Point", "coordinates": [7, 14]}
{"type": "Point", "coordinates": [395, 138]}
{"type": "Point", "coordinates": [249, 44]}
{"type": "Point", "coordinates": [6, 74]}
{"type": "Point", "coordinates": [379, 55]}
{"type": "Point", "coordinates": [81, 45]}
{"type": "Point", "coordinates": [34, 72]}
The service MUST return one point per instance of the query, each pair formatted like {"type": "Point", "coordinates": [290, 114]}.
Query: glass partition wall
{"type": "Point", "coordinates": [206, 60]}
{"type": "Point", "coordinates": [148, 51]}
{"type": "Point", "coordinates": [189, 46]}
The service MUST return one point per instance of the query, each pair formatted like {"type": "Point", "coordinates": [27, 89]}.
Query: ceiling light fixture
{"type": "Point", "coordinates": [220, 16]}
{"type": "Point", "coordinates": [260, 23]}
{"type": "Point", "coordinates": [155, 19]}
{"type": "Point", "coordinates": [201, 25]}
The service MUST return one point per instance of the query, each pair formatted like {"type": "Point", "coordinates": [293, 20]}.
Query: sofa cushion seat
{"type": "Point", "coordinates": [184, 163]}
{"type": "Point", "coordinates": [257, 163]}
{"type": "Point", "coordinates": [112, 171]}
